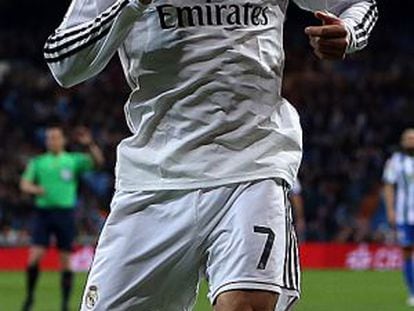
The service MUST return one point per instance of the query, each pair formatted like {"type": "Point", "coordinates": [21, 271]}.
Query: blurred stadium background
{"type": "Point", "coordinates": [352, 113]}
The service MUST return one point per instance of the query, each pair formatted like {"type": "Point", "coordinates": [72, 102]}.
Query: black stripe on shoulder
{"type": "Point", "coordinates": [58, 36]}
{"type": "Point", "coordinates": [79, 48]}
{"type": "Point", "coordinates": [91, 33]}
{"type": "Point", "coordinates": [68, 43]}
{"type": "Point", "coordinates": [98, 22]}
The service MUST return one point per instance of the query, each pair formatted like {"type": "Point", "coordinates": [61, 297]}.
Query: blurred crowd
{"type": "Point", "coordinates": [352, 114]}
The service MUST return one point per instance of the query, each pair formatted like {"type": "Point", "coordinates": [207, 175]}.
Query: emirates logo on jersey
{"type": "Point", "coordinates": [212, 14]}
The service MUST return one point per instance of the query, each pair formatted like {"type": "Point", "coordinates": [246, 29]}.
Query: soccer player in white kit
{"type": "Point", "coordinates": [399, 199]}
{"type": "Point", "coordinates": [202, 183]}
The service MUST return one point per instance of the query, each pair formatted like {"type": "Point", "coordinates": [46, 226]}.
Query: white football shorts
{"type": "Point", "coordinates": [156, 246]}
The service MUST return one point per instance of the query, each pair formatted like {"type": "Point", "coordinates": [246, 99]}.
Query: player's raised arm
{"type": "Point", "coordinates": [88, 38]}
{"type": "Point", "coordinates": [346, 26]}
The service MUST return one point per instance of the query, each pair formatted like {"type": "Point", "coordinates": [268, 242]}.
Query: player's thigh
{"type": "Point", "coordinates": [254, 247]}
{"type": "Point", "coordinates": [146, 258]}
{"type": "Point", "coordinates": [246, 300]}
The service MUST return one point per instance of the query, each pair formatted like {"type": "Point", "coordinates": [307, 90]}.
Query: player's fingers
{"type": "Point", "coordinates": [327, 31]}
{"type": "Point", "coordinates": [338, 43]}
{"type": "Point", "coordinates": [327, 18]}
{"type": "Point", "coordinates": [318, 54]}
{"type": "Point", "coordinates": [329, 46]}
{"type": "Point", "coordinates": [329, 54]}
{"type": "Point", "coordinates": [332, 57]}
{"type": "Point", "coordinates": [338, 52]}
{"type": "Point", "coordinates": [313, 41]}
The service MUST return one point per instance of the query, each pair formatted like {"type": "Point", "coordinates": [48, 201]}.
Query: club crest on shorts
{"type": "Point", "coordinates": [91, 296]}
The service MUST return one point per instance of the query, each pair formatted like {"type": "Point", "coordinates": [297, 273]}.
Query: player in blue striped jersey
{"type": "Point", "coordinates": [399, 199]}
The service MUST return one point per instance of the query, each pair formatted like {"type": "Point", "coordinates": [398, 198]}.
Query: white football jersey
{"type": "Point", "coordinates": [206, 106]}
{"type": "Point", "coordinates": [399, 171]}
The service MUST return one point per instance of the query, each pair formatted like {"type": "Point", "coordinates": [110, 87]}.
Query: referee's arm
{"type": "Point", "coordinates": [27, 184]}
{"type": "Point", "coordinates": [87, 39]}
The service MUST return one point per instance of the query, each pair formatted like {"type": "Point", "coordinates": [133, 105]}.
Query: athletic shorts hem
{"type": "Point", "coordinates": [251, 285]}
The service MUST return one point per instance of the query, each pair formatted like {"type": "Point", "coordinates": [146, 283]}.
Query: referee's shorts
{"type": "Point", "coordinates": [57, 222]}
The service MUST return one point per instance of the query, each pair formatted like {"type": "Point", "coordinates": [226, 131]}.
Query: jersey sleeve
{"type": "Point", "coordinates": [84, 162]}
{"type": "Point", "coordinates": [88, 37]}
{"type": "Point", "coordinates": [390, 174]}
{"type": "Point", "coordinates": [359, 17]}
{"type": "Point", "coordinates": [29, 173]}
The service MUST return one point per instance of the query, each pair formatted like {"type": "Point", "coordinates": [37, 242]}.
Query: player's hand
{"type": "Point", "coordinates": [84, 136]}
{"type": "Point", "coordinates": [330, 40]}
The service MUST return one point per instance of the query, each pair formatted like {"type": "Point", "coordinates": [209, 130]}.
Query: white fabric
{"type": "Point", "coordinates": [206, 106]}
{"type": "Point", "coordinates": [155, 246]}
{"type": "Point", "coordinates": [399, 171]}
